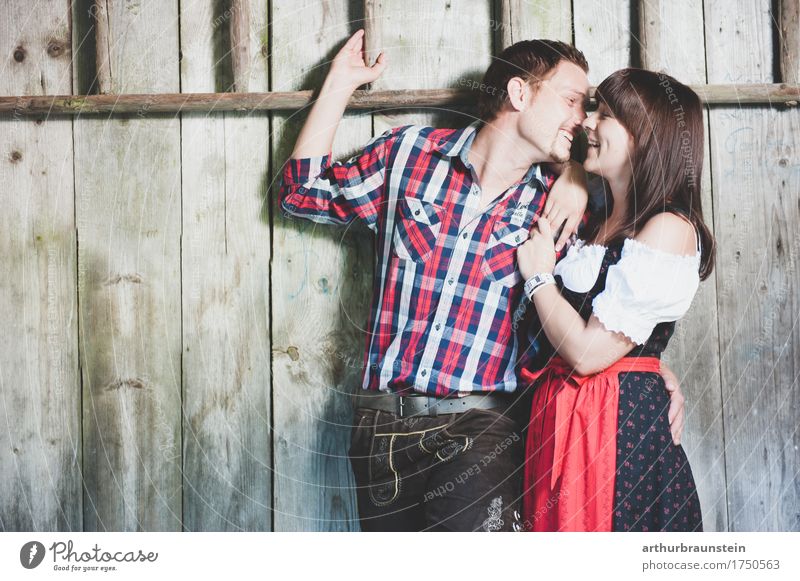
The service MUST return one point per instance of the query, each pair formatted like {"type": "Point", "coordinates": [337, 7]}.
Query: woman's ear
{"type": "Point", "coordinates": [517, 89]}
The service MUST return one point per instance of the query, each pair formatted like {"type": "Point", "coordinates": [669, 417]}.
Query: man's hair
{"type": "Point", "coordinates": [530, 60]}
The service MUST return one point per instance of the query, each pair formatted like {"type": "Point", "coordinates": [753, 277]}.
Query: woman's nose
{"type": "Point", "coordinates": [589, 122]}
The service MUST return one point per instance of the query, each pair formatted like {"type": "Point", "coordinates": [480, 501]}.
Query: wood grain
{"type": "Point", "coordinates": [40, 433]}
{"type": "Point", "coordinates": [755, 185]}
{"type": "Point", "coordinates": [225, 253]}
{"type": "Point", "coordinates": [127, 181]}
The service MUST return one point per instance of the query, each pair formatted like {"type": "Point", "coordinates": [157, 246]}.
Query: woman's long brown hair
{"type": "Point", "coordinates": [665, 118]}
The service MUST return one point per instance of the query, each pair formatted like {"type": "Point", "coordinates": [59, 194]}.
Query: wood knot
{"type": "Point", "coordinates": [293, 352]}
{"type": "Point", "coordinates": [56, 48]}
{"type": "Point", "coordinates": [134, 278]}
{"type": "Point", "coordinates": [133, 382]}
{"type": "Point", "coordinates": [20, 54]}
{"type": "Point", "coordinates": [15, 157]}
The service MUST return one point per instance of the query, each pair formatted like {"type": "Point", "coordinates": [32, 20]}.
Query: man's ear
{"type": "Point", "coordinates": [517, 90]}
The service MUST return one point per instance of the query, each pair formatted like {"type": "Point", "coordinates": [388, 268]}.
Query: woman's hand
{"type": "Point", "coordinates": [349, 70]}
{"type": "Point", "coordinates": [538, 254]}
{"type": "Point", "coordinates": [567, 201]}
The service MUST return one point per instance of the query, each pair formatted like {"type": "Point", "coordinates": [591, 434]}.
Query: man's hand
{"type": "Point", "coordinates": [566, 203]}
{"type": "Point", "coordinates": [676, 404]}
{"type": "Point", "coordinates": [349, 70]}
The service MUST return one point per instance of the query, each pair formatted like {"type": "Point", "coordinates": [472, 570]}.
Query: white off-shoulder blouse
{"type": "Point", "coordinates": [644, 288]}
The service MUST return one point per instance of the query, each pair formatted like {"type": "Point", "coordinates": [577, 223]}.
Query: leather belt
{"type": "Point", "coordinates": [421, 405]}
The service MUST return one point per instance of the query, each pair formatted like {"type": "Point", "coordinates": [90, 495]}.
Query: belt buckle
{"type": "Point", "coordinates": [402, 403]}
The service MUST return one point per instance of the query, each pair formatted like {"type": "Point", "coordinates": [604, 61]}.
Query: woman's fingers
{"type": "Point", "coordinates": [548, 205]}
{"type": "Point", "coordinates": [543, 224]}
{"type": "Point", "coordinates": [566, 232]}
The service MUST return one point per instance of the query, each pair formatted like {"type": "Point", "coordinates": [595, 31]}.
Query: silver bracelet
{"type": "Point", "coordinates": [536, 282]}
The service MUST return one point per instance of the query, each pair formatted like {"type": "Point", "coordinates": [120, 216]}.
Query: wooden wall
{"type": "Point", "coordinates": [178, 355]}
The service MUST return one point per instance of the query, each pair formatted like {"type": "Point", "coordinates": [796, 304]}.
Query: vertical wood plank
{"type": "Point", "coordinates": [517, 20]}
{"type": "Point", "coordinates": [40, 439]}
{"type": "Point", "coordinates": [240, 44]}
{"type": "Point", "coordinates": [672, 40]}
{"type": "Point", "coordinates": [754, 152]}
{"type": "Point", "coordinates": [424, 41]}
{"type": "Point", "coordinates": [789, 38]}
{"type": "Point", "coordinates": [321, 290]}
{"type": "Point", "coordinates": [127, 174]}
{"type": "Point", "coordinates": [603, 33]}
{"type": "Point", "coordinates": [225, 270]}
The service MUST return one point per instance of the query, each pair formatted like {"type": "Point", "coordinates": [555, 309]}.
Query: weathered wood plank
{"type": "Point", "coordinates": [755, 184]}
{"type": "Point", "coordinates": [603, 33]}
{"type": "Point", "coordinates": [672, 40]}
{"type": "Point", "coordinates": [321, 289]}
{"type": "Point", "coordinates": [225, 258]}
{"type": "Point", "coordinates": [40, 439]}
{"type": "Point", "coordinates": [517, 20]}
{"type": "Point", "coordinates": [241, 37]}
{"type": "Point", "coordinates": [127, 175]}
{"type": "Point", "coordinates": [424, 43]}
{"type": "Point", "coordinates": [789, 38]}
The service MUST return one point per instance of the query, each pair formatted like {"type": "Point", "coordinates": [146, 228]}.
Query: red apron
{"type": "Point", "coordinates": [571, 449]}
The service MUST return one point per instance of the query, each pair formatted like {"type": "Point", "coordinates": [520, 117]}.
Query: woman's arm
{"type": "Point", "coordinates": [588, 346]}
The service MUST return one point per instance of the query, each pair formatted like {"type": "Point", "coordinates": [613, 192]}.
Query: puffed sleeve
{"type": "Point", "coordinates": [644, 288]}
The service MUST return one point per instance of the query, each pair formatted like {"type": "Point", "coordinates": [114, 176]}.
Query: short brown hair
{"type": "Point", "coordinates": [528, 59]}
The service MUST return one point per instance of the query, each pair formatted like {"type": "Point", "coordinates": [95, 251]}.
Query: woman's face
{"type": "Point", "coordinates": [610, 146]}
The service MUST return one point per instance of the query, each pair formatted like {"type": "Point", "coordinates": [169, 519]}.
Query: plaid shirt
{"type": "Point", "coordinates": [442, 319]}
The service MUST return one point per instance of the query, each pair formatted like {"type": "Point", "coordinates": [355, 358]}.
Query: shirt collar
{"type": "Point", "coordinates": [457, 144]}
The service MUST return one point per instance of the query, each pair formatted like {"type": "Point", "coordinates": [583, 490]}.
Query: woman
{"type": "Point", "coordinates": [599, 455]}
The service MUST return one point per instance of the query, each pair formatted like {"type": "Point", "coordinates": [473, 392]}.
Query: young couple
{"type": "Point", "coordinates": [464, 221]}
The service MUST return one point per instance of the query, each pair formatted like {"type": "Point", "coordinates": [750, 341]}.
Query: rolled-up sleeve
{"type": "Point", "coordinates": [338, 193]}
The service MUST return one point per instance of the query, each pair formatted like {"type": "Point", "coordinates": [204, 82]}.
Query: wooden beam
{"type": "Point", "coordinates": [789, 38]}
{"type": "Point", "coordinates": [102, 53]}
{"type": "Point", "coordinates": [142, 104]}
{"type": "Point", "coordinates": [240, 44]}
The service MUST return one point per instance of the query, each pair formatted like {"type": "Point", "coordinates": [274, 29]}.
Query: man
{"type": "Point", "coordinates": [434, 445]}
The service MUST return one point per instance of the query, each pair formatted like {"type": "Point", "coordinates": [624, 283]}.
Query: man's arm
{"type": "Point", "coordinates": [312, 187]}
{"type": "Point", "coordinates": [348, 72]}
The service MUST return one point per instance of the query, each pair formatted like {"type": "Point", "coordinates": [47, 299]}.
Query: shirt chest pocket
{"type": "Point", "coordinates": [500, 257]}
{"type": "Point", "coordinates": [417, 229]}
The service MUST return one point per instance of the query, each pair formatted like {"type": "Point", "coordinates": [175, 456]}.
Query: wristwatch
{"type": "Point", "coordinates": [536, 282]}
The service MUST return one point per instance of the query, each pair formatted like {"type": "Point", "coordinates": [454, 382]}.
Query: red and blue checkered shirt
{"type": "Point", "coordinates": [447, 286]}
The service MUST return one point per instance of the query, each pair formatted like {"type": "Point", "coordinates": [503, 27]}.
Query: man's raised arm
{"type": "Point", "coordinates": [312, 187]}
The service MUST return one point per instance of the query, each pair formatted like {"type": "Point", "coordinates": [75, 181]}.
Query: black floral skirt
{"type": "Point", "coordinates": [654, 488]}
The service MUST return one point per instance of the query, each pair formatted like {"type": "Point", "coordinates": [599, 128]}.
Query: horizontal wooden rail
{"type": "Point", "coordinates": [764, 94]}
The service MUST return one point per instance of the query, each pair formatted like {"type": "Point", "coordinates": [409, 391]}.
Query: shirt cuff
{"type": "Point", "coordinates": [302, 170]}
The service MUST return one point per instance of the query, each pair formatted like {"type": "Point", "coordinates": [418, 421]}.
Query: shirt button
{"type": "Point", "coordinates": [465, 235]}
{"type": "Point", "coordinates": [450, 282]}
{"type": "Point", "coordinates": [416, 213]}
{"type": "Point", "coordinates": [438, 326]}
{"type": "Point", "coordinates": [424, 373]}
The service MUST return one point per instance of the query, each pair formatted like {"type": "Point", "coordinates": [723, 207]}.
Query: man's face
{"type": "Point", "coordinates": [556, 110]}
